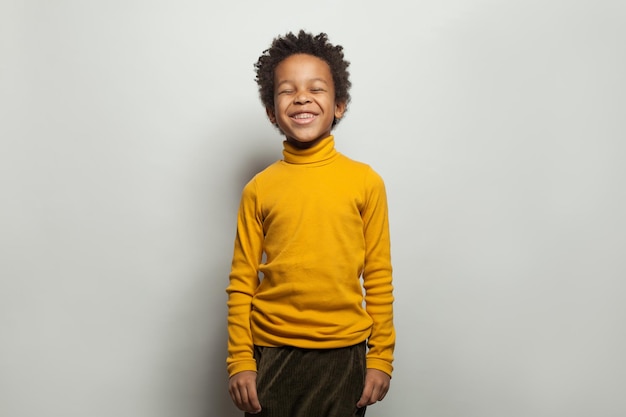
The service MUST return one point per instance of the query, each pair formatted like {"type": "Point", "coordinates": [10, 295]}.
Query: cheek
{"type": "Point", "coordinates": [279, 103]}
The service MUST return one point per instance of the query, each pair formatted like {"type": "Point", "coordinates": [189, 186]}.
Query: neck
{"type": "Point", "coordinates": [305, 145]}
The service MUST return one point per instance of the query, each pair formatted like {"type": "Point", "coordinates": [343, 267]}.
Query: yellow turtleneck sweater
{"type": "Point", "coordinates": [321, 220]}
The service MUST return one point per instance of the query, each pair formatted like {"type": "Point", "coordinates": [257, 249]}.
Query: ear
{"type": "Point", "coordinates": [340, 109]}
{"type": "Point", "coordinates": [271, 115]}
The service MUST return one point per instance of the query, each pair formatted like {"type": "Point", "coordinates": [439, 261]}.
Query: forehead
{"type": "Point", "coordinates": [300, 67]}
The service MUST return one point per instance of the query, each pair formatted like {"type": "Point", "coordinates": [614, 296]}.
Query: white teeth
{"type": "Point", "coordinates": [304, 116]}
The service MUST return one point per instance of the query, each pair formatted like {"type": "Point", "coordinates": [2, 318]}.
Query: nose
{"type": "Point", "coordinates": [302, 98]}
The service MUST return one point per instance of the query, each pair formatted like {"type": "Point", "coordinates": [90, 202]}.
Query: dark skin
{"type": "Point", "coordinates": [304, 86]}
{"type": "Point", "coordinates": [304, 100]}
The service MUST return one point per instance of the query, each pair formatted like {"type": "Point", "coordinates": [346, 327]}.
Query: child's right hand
{"type": "Point", "coordinates": [242, 389]}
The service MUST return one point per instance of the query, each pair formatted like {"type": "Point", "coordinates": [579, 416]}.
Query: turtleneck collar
{"type": "Point", "coordinates": [320, 153]}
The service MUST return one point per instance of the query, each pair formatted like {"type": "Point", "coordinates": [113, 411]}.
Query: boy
{"type": "Point", "coordinates": [297, 336]}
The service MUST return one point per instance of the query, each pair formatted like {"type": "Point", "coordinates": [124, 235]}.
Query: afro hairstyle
{"type": "Point", "coordinates": [304, 43]}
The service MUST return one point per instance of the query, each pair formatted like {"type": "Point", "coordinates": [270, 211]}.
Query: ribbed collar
{"type": "Point", "coordinates": [320, 153]}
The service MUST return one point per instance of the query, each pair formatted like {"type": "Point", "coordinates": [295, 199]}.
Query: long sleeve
{"type": "Point", "coordinates": [244, 280]}
{"type": "Point", "coordinates": [377, 277]}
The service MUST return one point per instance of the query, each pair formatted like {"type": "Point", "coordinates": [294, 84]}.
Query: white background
{"type": "Point", "coordinates": [128, 129]}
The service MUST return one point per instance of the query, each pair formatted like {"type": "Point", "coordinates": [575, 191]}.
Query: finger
{"type": "Point", "coordinates": [366, 395]}
{"type": "Point", "coordinates": [241, 398]}
{"type": "Point", "coordinates": [242, 389]}
{"type": "Point", "coordinates": [235, 396]}
{"type": "Point", "coordinates": [383, 395]}
{"type": "Point", "coordinates": [373, 392]}
{"type": "Point", "coordinates": [253, 400]}
{"type": "Point", "coordinates": [375, 395]}
{"type": "Point", "coordinates": [247, 403]}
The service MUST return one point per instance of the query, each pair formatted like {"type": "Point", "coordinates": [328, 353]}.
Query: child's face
{"type": "Point", "coordinates": [304, 100]}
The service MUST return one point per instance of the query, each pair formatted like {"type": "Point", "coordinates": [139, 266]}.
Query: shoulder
{"type": "Point", "coordinates": [266, 172]}
{"type": "Point", "coordinates": [253, 182]}
{"type": "Point", "coordinates": [364, 169]}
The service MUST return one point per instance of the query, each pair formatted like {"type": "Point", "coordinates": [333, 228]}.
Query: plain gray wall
{"type": "Point", "coordinates": [128, 129]}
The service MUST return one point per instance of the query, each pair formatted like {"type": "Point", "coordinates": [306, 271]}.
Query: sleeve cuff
{"type": "Point", "coordinates": [381, 365]}
{"type": "Point", "coordinates": [240, 366]}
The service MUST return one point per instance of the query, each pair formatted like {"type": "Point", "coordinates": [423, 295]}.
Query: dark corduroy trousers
{"type": "Point", "coordinates": [293, 382]}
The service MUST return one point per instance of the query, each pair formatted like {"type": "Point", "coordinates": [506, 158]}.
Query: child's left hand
{"type": "Point", "coordinates": [376, 387]}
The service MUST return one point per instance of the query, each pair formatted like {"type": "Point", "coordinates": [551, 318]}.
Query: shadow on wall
{"type": "Point", "coordinates": [201, 314]}
{"type": "Point", "coordinates": [254, 156]}
{"type": "Point", "coordinates": [259, 156]}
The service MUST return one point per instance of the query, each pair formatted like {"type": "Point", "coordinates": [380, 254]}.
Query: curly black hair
{"type": "Point", "coordinates": [304, 43]}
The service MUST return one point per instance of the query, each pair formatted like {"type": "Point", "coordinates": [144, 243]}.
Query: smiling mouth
{"type": "Point", "coordinates": [303, 118]}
